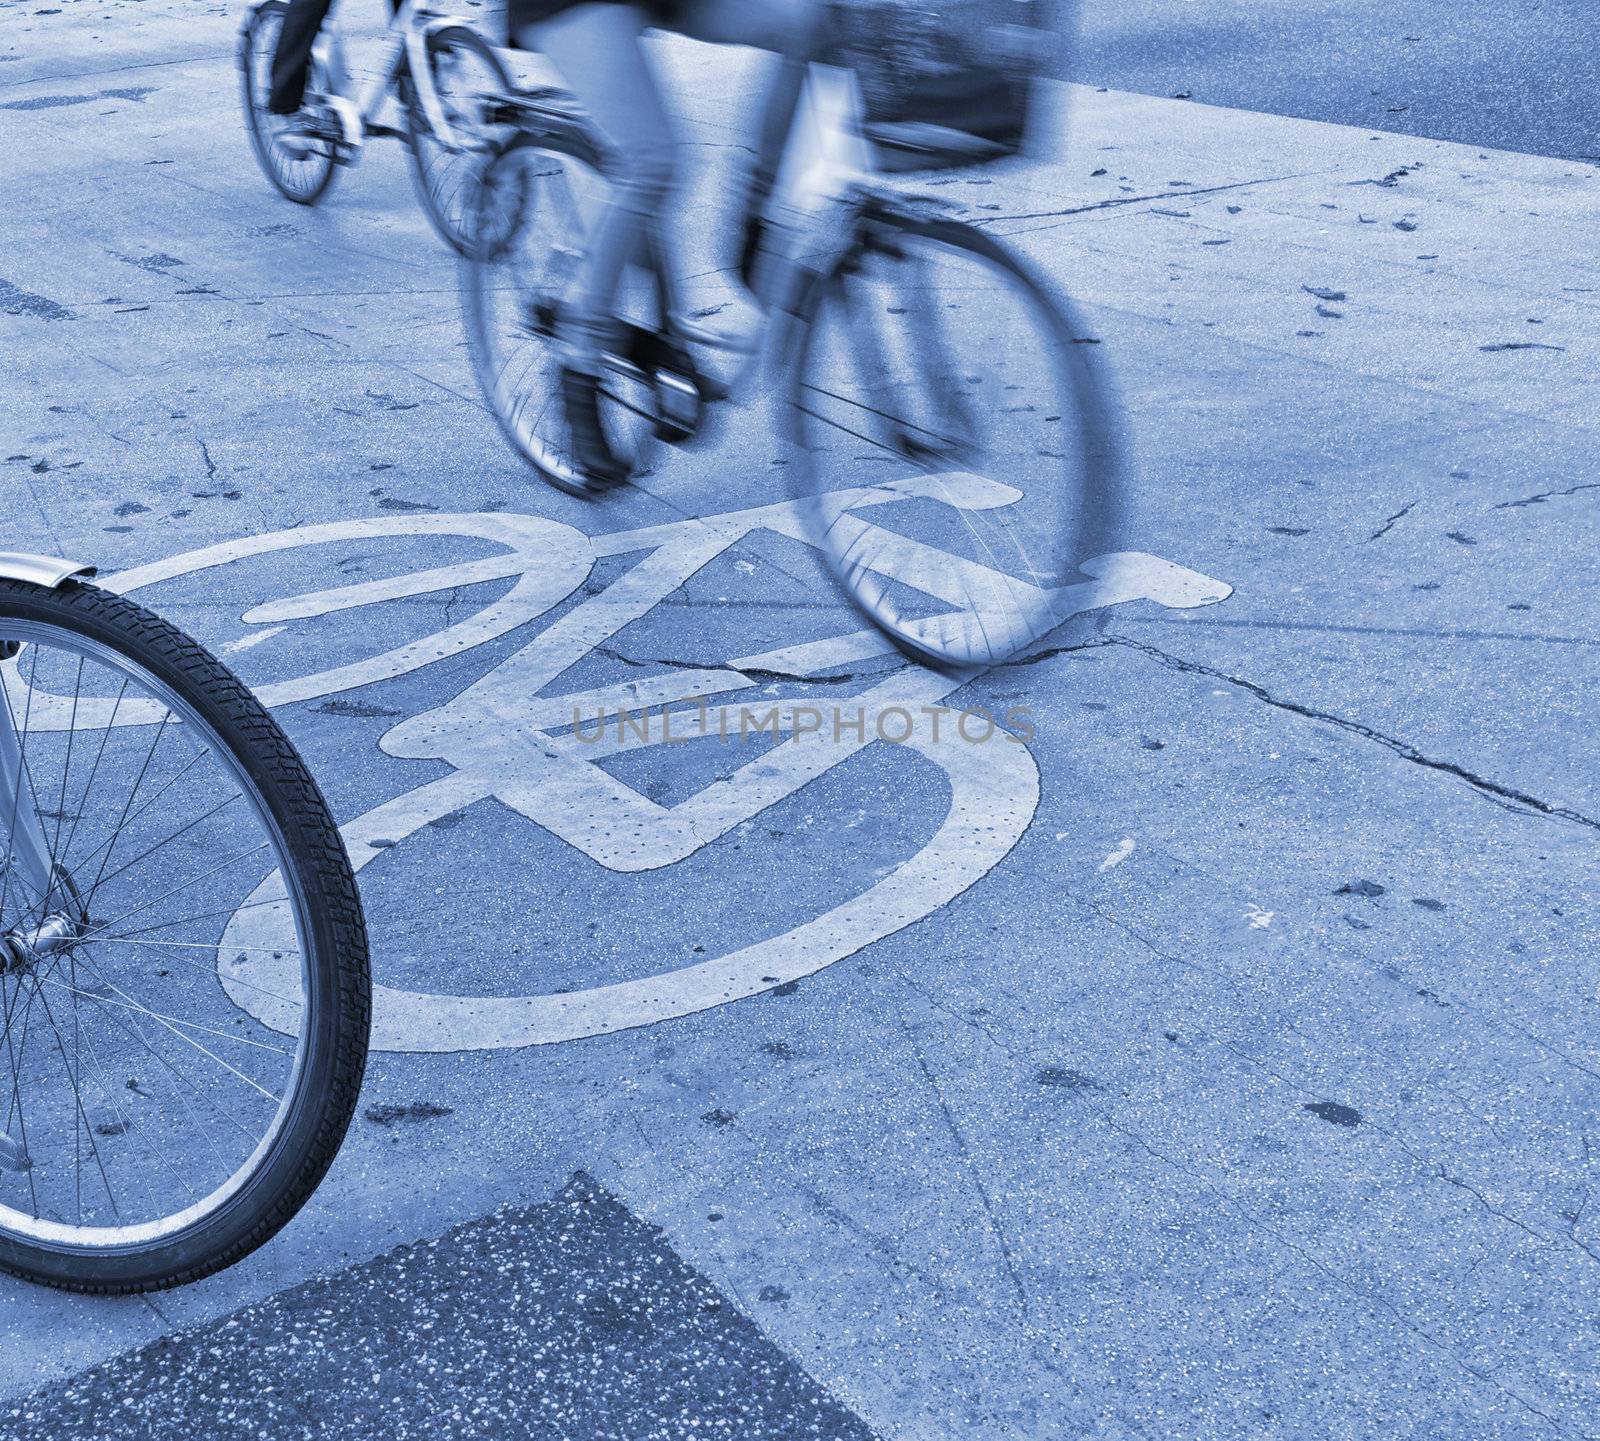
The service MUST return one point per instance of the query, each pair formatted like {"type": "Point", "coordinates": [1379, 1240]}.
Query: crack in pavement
{"type": "Point", "coordinates": [1139, 199]}
{"type": "Point", "coordinates": [1494, 790]}
{"type": "Point", "coordinates": [1420, 632]}
{"type": "Point", "coordinates": [1491, 788]}
{"type": "Point", "coordinates": [886, 1249]}
{"type": "Point", "coordinates": [1371, 1298]}
{"type": "Point", "coordinates": [1546, 495]}
{"type": "Point", "coordinates": [1399, 515]}
{"type": "Point", "coordinates": [754, 672]}
{"type": "Point", "coordinates": [1007, 1256]}
{"type": "Point", "coordinates": [116, 70]}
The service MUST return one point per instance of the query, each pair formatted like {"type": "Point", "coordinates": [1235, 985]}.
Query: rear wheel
{"type": "Point", "coordinates": [956, 451]}
{"type": "Point", "coordinates": [164, 854]}
{"type": "Point", "coordinates": [533, 212]}
{"type": "Point", "coordinates": [301, 169]}
{"type": "Point", "coordinates": [468, 75]}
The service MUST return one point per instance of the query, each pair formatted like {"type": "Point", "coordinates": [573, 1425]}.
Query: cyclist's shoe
{"type": "Point", "coordinates": [310, 130]}
{"type": "Point", "coordinates": [580, 396]}
{"type": "Point", "coordinates": [680, 393]}
{"type": "Point", "coordinates": [751, 242]}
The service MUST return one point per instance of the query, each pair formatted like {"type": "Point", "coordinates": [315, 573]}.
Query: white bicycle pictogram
{"type": "Point", "coordinates": [504, 738]}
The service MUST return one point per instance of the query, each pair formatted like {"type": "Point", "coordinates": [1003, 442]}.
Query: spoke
{"type": "Point", "coordinates": [122, 820]}
{"type": "Point", "coordinates": [168, 1025]}
{"type": "Point", "coordinates": [183, 830]}
{"type": "Point", "coordinates": [94, 770]}
{"type": "Point", "coordinates": [210, 970]}
{"type": "Point", "coordinates": [66, 768]}
{"type": "Point", "coordinates": [129, 1029]}
{"type": "Point", "coordinates": [195, 945]}
{"type": "Point", "coordinates": [14, 1054]}
{"type": "Point", "coordinates": [101, 1075]}
{"type": "Point", "coordinates": [193, 761]}
{"type": "Point", "coordinates": [206, 875]}
{"type": "Point", "coordinates": [204, 1092]}
{"type": "Point", "coordinates": [130, 1004]}
{"type": "Point", "coordinates": [181, 920]}
{"type": "Point", "coordinates": [77, 1150]}
{"type": "Point", "coordinates": [21, 782]}
{"type": "Point", "coordinates": [77, 1101]}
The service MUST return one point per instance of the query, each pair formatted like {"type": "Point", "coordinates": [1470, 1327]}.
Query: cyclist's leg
{"type": "Point", "coordinates": [596, 48]}
{"type": "Point", "coordinates": [291, 62]}
{"type": "Point", "coordinates": [793, 31]}
{"type": "Point", "coordinates": [292, 59]}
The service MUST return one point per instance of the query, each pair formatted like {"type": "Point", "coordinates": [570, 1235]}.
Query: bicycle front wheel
{"type": "Point", "coordinates": [301, 171]}
{"type": "Point", "coordinates": [164, 850]}
{"type": "Point", "coordinates": [956, 451]}
{"type": "Point", "coordinates": [468, 75]}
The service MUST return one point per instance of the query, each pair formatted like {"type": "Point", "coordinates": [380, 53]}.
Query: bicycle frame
{"type": "Point", "coordinates": [824, 176]}
{"type": "Point", "coordinates": [406, 39]}
{"type": "Point", "coordinates": [26, 848]}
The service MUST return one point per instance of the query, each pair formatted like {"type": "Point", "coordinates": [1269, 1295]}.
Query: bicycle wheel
{"type": "Point", "coordinates": [152, 1132]}
{"type": "Point", "coordinates": [304, 171]}
{"type": "Point", "coordinates": [533, 211]}
{"type": "Point", "coordinates": [467, 72]}
{"type": "Point", "coordinates": [955, 446]}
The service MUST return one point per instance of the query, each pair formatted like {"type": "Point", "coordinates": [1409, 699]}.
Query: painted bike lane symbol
{"type": "Point", "coordinates": [505, 739]}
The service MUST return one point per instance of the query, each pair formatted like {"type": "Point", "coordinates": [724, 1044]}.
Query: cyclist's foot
{"type": "Point", "coordinates": [308, 128]}
{"type": "Point", "coordinates": [750, 245]}
{"type": "Point", "coordinates": [580, 395]}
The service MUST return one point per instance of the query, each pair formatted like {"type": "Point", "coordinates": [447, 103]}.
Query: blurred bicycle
{"type": "Point", "coordinates": [441, 73]}
{"type": "Point", "coordinates": [915, 350]}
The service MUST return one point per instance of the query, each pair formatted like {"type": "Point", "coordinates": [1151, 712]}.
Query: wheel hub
{"type": "Point", "coordinates": [22, 949]}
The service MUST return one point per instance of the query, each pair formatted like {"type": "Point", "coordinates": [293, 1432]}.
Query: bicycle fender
{"type": "Point", "coordinates": [40, 569]}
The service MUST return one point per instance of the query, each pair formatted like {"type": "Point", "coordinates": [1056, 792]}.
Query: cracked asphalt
{"type": "Point", "coordinates": [1248, 1091]}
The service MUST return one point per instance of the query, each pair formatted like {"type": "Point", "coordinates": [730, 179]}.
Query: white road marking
{"type": "Point", "coordinates": [250, 642]}
{"type": "Point", "coordinates": [1124, 849]}
{"type": "Point", "coordinates": [506, 738]}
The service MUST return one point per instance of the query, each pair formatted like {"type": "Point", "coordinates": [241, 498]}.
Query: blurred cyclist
{"type": "Point", "coordinates": [595, 44]}
{"type": "Point", "coordinates": [596, 47]}
{"type": "Point", "coordinates": [291, 61]}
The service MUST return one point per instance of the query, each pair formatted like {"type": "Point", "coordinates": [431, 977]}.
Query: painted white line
{"type": "Point", "coordinates": [505, 737]}
{"type": "Point", "coordinates": [994, 790]}
{"type": "Point", "coordinates": [1124, 849]}
{"type": "Point", "coordinates": [251, 641]}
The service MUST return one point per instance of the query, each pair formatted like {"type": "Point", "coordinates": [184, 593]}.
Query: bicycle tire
{"type": "Point", "coordinates": [287, 1167]}
{"type": "Point", "coordinates": [490, 270]}
{"type": "Point", "coordinates": [1082, 406]}
{"type": "Point", "coordinates": [317, 176]}
{"type": "Point", "coordinates": [444, 183]}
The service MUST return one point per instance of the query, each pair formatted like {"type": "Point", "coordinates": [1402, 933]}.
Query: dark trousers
{"type": "Point", "coordinates": [292, 60]}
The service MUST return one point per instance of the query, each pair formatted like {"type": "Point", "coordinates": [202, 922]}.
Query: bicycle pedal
{"type": "Point", "coordinates": [679, 406]}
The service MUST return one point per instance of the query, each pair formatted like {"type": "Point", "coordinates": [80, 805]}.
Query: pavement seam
{"type": "Point", "coordinates": [115, 70]}
{"type": "Point", "coordinates": [1362, 1294]}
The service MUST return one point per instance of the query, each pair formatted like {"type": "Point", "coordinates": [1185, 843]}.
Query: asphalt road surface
{"type": "Point", "coordinates": [1514, 74]}
{"type": "Point", "coordinates": [1220, 1063]}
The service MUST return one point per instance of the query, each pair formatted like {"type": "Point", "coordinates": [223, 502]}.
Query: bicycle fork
{"type": "Point", "coordinates": [45, 907]}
